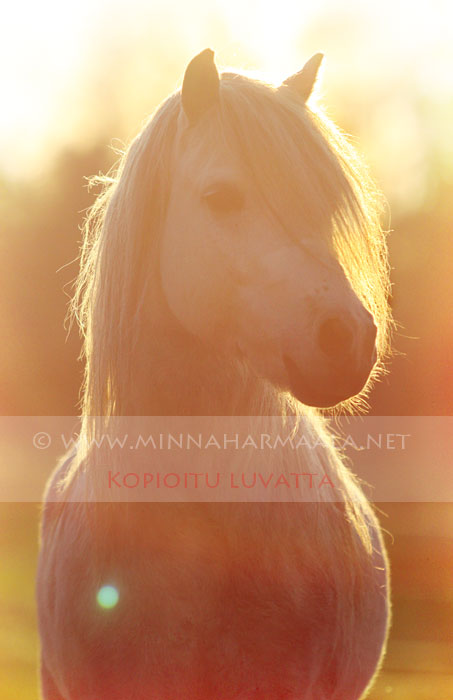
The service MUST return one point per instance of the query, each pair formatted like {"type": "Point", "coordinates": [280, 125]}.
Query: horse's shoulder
{"type": "Point", "coordinates": [54, 492]}
{"type": "Point", "coordinates": [55, 483]}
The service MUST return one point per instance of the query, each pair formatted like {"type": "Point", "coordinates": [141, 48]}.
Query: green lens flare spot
{"type": "Point", "coordinates": [107, 597]}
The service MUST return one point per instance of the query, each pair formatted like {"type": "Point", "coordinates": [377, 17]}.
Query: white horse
{"type": "Point", "coordinates": [234, 267]}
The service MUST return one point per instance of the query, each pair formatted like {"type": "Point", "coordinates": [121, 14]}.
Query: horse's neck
{"type": "Point", "coordinates": [179, 375]}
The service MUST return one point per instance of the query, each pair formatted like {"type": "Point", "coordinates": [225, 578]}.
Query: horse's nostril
{"type": "Point", "coordinates": [335, 338]}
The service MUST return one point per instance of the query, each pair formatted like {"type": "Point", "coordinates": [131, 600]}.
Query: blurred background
{"type": "Point", "coordinates": [77, 81]}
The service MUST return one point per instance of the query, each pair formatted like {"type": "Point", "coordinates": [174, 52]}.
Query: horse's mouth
{"type": "Point", "coordinates": [323, 394]}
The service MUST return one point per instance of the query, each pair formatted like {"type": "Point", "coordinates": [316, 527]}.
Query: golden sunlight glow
{"type": "Point", "coordinates": [76, 77]}
{"type": "Point", "coordinates": [60, 65]}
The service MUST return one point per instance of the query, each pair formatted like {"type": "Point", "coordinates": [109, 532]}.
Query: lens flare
{"type": "Point", "coordinates": [107, 597]}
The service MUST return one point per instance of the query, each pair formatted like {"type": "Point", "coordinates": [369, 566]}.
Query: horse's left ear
{"type": "Point", "coordinates": [200, 87]}
{"type": "Point", "coordinates": [303, 81]}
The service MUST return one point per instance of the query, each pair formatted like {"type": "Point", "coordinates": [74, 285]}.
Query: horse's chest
{"type": "Point", "coordinates": [194, 594]}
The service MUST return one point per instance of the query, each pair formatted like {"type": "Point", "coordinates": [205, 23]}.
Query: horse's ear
{"type": "Point", "coordinates": [200, 87]}
{"type": "Point", "coordinates": [303, 81]}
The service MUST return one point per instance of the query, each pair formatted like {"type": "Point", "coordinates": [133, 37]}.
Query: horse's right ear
{"type": "Point", "coordinates": [200, 88]}
{"type": "Point", "coordinates": [302, 82]}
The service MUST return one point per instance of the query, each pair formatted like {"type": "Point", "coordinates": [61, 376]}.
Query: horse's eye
{"type": "Point", "coordinates": [224, 198]}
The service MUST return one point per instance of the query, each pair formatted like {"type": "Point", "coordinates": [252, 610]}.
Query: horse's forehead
{"type": "Point", "coordinates": [203, 158]}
